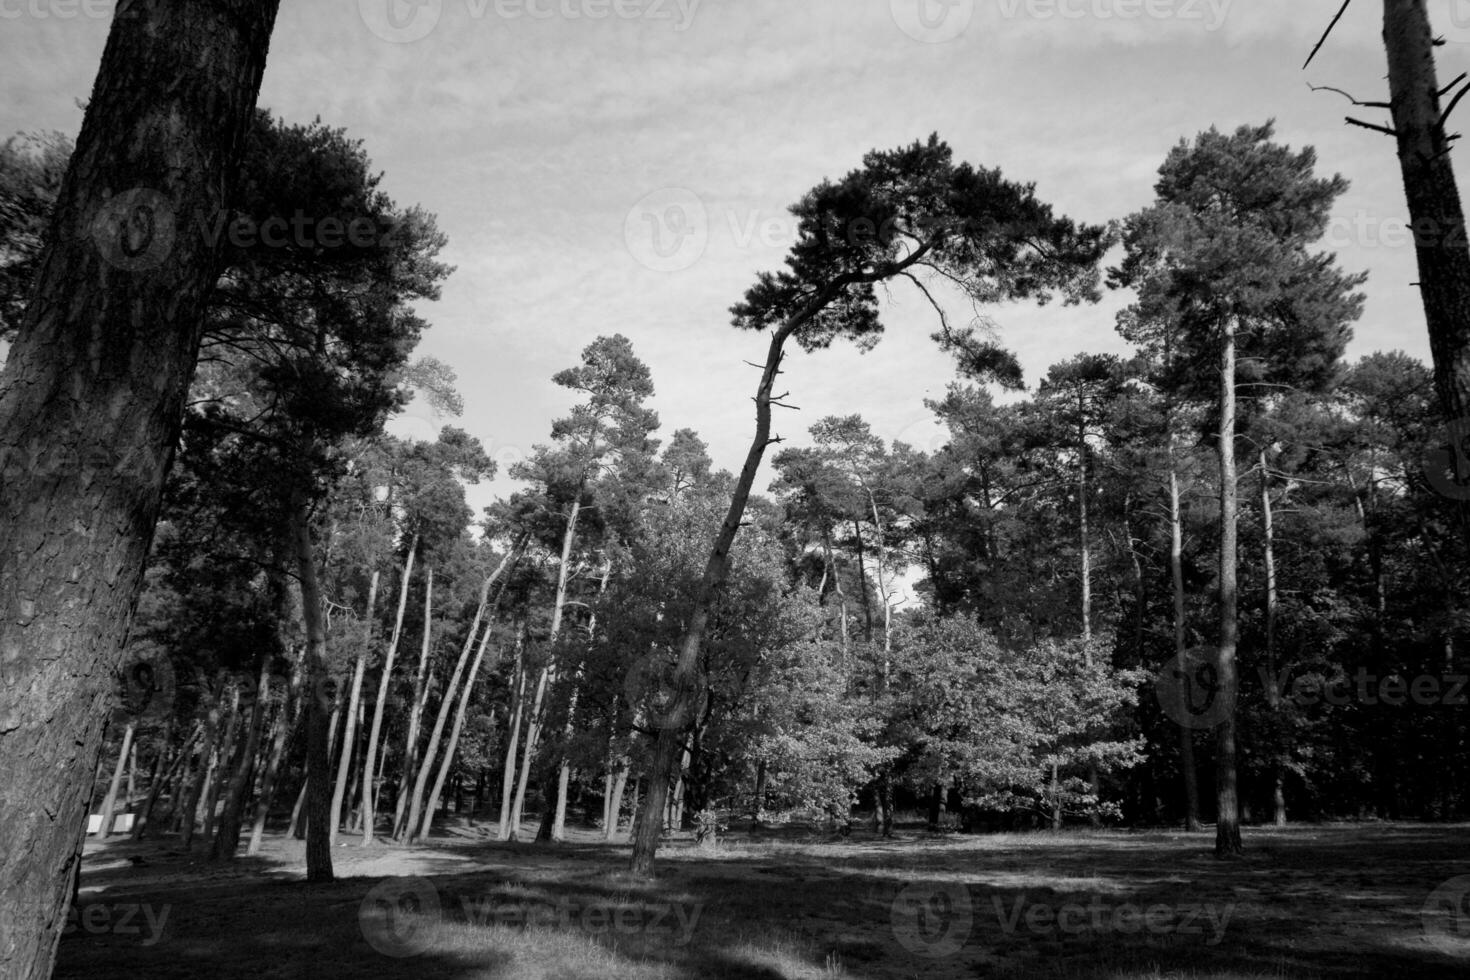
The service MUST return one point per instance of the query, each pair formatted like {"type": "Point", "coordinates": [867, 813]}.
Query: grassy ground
{"type": "Point", "coordinates": [1340, 901]}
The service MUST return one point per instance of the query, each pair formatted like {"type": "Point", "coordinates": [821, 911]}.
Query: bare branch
{"type": "Point", "coordinates": [1443, 116]}
{"type": "Point", "coordinates": [1373, 126]}
{"type": "Point", "coordinates": [1345, 95]}
{"type": "Point", "coordinates": [1323, 40]}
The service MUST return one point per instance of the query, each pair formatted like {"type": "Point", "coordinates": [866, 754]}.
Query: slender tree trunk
{"type": "Point", "coordinates": [1273, 692]}
{"type": "Point", "coordinates": [91, 398]}
{"type": "Point", "coordinates": [196, 786]}
{"type": "Point", "coordinates": [548, 673]}
{"type": "Point", "coordinates": [508, 780]}
{"type": "Point", "coordinates": [1176, 569]}
{"type": "Point", "coordinates": [349, 737]}
{"type": "Point", "coordinates": [156, 785]}
{"type": "Point", "coordinates": [837, 587]}
{"type": "Point", "coordinates": [318, 726]}
{"type": "Point", "coordinates": [369, 783]}
{"type": "Point", "coordinates": [687, 682]}
{"type": "Point", "coordinates": [110, 803]}
{"type": "Point", "coordinates": [224, 755]}
{"type": "Point", "coordinates": [286, 721]}
{"type": "Point", "coordinates": [227, 838]}
{"type": "Point", "coordinates": [416, 709]}
{"type": "Point", "coordinates": [1433, 198]}
{"type": "Point", "coordinates": [447, 703]}
{"type": "Point", "coordinates": [1227, 826]}
{"type": "Point", "coordinates": [615, 806]}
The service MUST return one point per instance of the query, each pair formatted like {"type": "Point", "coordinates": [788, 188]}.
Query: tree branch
{"type": "Point", "coordinates": [1323, 39]}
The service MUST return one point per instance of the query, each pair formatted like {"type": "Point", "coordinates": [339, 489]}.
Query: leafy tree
{"type": "Point", "coordinates": [906, 212]}
{"type": "Point", "coordinates": [1222, 268]}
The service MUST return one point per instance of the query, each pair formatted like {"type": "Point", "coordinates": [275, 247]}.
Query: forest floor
{"type": "Point", "coordinates": [1362, 900]}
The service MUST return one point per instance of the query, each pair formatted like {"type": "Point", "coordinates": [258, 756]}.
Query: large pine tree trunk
{"type": "Point", "coordinates": [318, 708]}
{"type": "Point", "coordinates": [370, 778]}
{"type": "Point", "coordinates": [1227, 804]}
{"type": "Point", "coordinates": [349, 737]}
{"type": "Point", "coordinates": [1176, 574]}
{"type": "Point", "coordinates": [1433, 198]}
{"type": "Point", "coordinates": [90, 402]}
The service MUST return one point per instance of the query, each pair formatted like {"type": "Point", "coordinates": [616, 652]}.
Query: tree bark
{"type": "Point", "coordinates": [1433, 198]}
{"type": "Point", "coordinates": [349, 736]}
{"type": "Point", "coordinates": [318, 727]}
{"type": "Point", "coordinates": [1227, 805]}
{"type": "Point", "coordinates": [91, 398]}
{"type": "Point", "coordinates": [369, 782]}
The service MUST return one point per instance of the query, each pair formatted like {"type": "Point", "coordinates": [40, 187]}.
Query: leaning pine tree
{"type": "Point", "coordinates": [911, 214]}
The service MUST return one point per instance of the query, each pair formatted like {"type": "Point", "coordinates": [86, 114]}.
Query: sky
{"type": "Point", "coordinates": [624, 166]}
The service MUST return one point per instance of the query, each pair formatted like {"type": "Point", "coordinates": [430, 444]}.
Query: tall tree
{"type": "Point", "coordinates": [90, 402]}
{"type": "Point", "coordinates": [1223, 256]}
{"type": "Point", "coordinates": [903, 214]}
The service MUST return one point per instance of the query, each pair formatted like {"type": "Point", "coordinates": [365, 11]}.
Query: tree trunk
{"type": "Point", "coordinates": [615, 805]}
{"type": "Point", "coordinates": [91, 398]}
{"type": "Point", "coordinates": [227, 838]}
{"type": "Point", "coordinates": [508, 780]}
{"type": "Point", "coordinates": [370, 784]}
{"type": "Point", "coordinates": [286, 720]}
{"type": "Point", "coordinates": [318, 727]}
{"type": "Point", "coordinates": [224, 754]}
{"type": "Point", "coordinates": [416, 708]}
{"type": "Point", "coordinates": [155, 787]}
{"type": "Point", "coordinates": [447, 703]}
{"type": "Point", "coordinates": [687, 686]}
{"type": "Point", "coordinates": [1176, 570]}
{"type": "Point", "coordinates": [110, 802]}
{"type": "Point", "coordinates": [1273, 692]}
{"type": "Point", "coordinates": [1227, 825]}
{"type": "Point", "coordinates": [196, 785]}
{"type": "Point", "coordinates": [349, 736]}
{"type": "Point", "coordinates": [548, 673]}
{"type": "Point", "coordinates": [1434, 200]}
